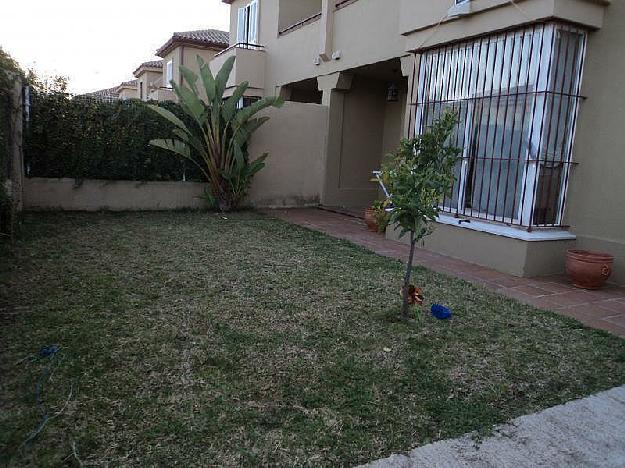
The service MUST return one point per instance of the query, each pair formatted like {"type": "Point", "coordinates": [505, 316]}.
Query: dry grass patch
{"type": "Point", "coordinates": [187, 337]}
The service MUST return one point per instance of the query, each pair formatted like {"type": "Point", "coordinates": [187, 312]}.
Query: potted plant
{"type": "Point", "coordinates": [587, 269]}
{"type": "Point", "coordinates": [376, 216]}
{"type": "Point", "coordinates": [370, 219]}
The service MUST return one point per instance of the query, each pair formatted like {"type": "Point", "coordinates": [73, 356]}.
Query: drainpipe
{"type": "Point", "coordinates": [181, 64]}
{"type": "Point", "coordinates": [327, 30]}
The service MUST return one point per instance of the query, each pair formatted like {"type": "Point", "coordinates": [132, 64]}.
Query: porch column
{"type": "Point", "coordinates": [410, 69]}
{"type": "Point", "coordinates": [333, 87]}
{"type": "Point", "coordinates": [327, 30]}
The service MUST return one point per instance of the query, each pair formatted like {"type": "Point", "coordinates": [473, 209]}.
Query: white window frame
{"type": "Point", "coordinates": [248, 24]}
{"type": "Point", "coordinates": [531, 170]}
{"type": "Point", "coordinates": [169, 73]}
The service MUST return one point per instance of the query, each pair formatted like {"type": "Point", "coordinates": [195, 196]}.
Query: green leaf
{"type": "Point", "coordinates": [190, 77]}
{"type": "Point", "coordinates": [207, 79]}
{"type": "Point", "coordinates": [175, 146]}
{"type": "Point", "coordinates": [248, 112]}
{"type": "Point", "coordinates": [221, 80]}
{"type": "Point", "coordinates": [169, 116]}
{"type": "Point", "coordinates": [230, 105]}
{"type": "Point", "coordinates": [190, 102]}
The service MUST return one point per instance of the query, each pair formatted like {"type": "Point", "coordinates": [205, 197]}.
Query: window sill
{"type": "Point", "coordinates": [539, 235]}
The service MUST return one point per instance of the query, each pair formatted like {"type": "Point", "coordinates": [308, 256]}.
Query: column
{"type": "Point", "coordinates": [333, 87]}
{"type": "Point", "coordinates": [410, 69]}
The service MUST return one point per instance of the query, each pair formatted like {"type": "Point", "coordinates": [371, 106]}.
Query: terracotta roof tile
{"type": "Point", "coordinates": [149, 64]}
{"type": "Point", "coordinates": [200, 37]}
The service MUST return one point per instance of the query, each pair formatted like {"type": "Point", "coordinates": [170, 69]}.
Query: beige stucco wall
{"type": "Point", "coordinates": [128, 93]}
{"type": "Point", "coordinates": [294, 138]}
{"type": "Point", "coordinates": [419, 20]}
{"type": "Point", "coordinates": [95, 195]}
{"type": "Point", "coordinates": [372, 31]}
{"type": "Point", "coordinates": [363, 136]}
{"type": "Point", "coordinates": [189, 56]}
{"type": "Point", "coordinates": [513, 256]}
{"type": "Point", "coordinates": [249, 66]}
{"type": "Point", "coordinates": [596, 197]}
{"type": "Point", "coordinates": [365, 32]}
{"type": "Point", "coordinates": [148, 79]}
{"type": "Point", "coordinates": [293, 11]}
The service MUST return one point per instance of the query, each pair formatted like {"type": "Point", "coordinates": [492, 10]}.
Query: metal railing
{"type": "Point", "coordinates": [299, 24]}
{"type": "Point", "coordinates": [241, 45]}
{"type": "Point", "coordinates": [517, 97]}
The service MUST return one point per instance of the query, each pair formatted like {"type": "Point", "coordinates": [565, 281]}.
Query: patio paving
{"type": "Point", "coordinates": [603, 309]}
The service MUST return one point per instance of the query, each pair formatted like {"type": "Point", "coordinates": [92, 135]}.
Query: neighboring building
{"type": "Point", "coordinates": [128, 90]}
{"type": "Point", "coordinates": [104, 95]}
{"type": "Point", "coordinates": [149, 77]}
{"type": "Point", "coordinates": [542, 167]}
{"type": "Point", "coordinates": [182, 49]}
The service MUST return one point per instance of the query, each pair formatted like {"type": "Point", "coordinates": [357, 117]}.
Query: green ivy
{"type": "Point", "coordinates": [88, 139]}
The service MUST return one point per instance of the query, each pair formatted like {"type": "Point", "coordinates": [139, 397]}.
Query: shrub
{"type": "Point", "coordinates": [89, 139]}
{"type": "Point", "coordinates": [417, 177]}
{"type": "Point", "coordinates": [217, 139]}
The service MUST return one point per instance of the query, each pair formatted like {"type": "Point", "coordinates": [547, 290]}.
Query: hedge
{"type": "Point", "coordinates": [88, 139]}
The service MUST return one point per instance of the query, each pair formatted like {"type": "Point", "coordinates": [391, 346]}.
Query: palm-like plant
{"type": "Point", "coordinates": [217, 139]}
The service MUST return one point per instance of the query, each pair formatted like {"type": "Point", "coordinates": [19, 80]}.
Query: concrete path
{"type": "Point", "coordinates": [584, 433]}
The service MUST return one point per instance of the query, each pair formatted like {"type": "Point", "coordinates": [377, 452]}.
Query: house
{"type": "Point", "coordinates": [128, 90]}
{"type": "Point", "coordinates": [532, 81]}
{"type": "Point", "coordinates": [103, 95]}
{"type": "Point", "coordinates": [182, 48]}
{"type": "Point", "coordinates": [149, 77]}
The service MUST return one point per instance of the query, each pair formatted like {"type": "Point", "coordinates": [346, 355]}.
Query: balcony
{"type": "Point", "coordinates": [249, 66]}
{"type": "Point", "coordinates": [162, 94]}
{"type": "Point", "coordinates": [294, 14]}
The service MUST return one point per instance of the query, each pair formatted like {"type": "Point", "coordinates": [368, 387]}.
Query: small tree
{"type": "Point", "coordinates": [417, 177]}
{"type": "Point", "coordinates": [218, 142]}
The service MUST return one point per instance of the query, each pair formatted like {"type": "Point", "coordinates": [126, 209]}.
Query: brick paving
{"type": "Point", "coordinates": [603, 309]}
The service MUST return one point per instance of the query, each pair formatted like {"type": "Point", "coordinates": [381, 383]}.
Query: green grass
{"type": "Point", "coordinates": [190, 338]}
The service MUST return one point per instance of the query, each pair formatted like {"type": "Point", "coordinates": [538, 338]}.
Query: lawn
{"type": "Point", "coordinates": [197, 339]}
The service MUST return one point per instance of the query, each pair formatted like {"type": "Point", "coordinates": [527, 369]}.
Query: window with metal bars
{"type": "Point", "coordinates": [517, 96]}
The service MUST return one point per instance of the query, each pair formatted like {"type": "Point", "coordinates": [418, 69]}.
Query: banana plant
{"type": "Point", "coordinates": [217, 139]}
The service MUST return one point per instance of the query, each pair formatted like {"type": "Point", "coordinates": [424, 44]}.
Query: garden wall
{"type": "Point", "coordinates": [94, 195]}
{"type": "Point", "coordinates": [294, 137]}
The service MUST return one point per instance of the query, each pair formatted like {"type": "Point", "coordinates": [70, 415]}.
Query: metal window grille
{"type": "Point", "coordinates": [517, 97]}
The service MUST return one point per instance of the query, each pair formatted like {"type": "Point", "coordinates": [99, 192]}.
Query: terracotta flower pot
{"type": "Point", "coordinates": [372, 224]}
{"type": "Point", "coordinates": [588, 270]}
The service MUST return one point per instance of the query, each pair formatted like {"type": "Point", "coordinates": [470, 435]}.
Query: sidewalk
{"type": "Point", "coordinates": [586, 432]}
{"type": "Point", "coordinates": [603, 309]}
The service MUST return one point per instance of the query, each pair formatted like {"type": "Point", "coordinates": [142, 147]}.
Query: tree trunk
{"type": "Point", "coordinates": [405, 308]}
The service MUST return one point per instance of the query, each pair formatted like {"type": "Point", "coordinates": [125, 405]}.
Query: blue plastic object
{"type": "Point", "coordinates": [48, 351]}
{"type": "Point", "coordinates": [441, 312]}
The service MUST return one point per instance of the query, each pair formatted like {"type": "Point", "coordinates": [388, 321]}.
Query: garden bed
{"type": "Point", "coordinates": [202, 339]}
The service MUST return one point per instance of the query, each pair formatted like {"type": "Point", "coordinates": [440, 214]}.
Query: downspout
{"type": "Point", "coordinates": [181, 64]}
{"type": "Point", "coordinates": [327, 30]}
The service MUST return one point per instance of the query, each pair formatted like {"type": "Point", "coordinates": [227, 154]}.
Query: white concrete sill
{"type": "Point", "coordinates": [538, 235]}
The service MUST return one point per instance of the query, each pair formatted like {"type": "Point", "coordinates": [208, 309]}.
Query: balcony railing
{"type": "Point", "coordinates": [343, 3]}
{"type": "Point", "coordinates": [249, 66]}
{"type": "Point", "coordinates": [299, 24]}
{"type": "Point", "coordinates": [312, 18]}
{"type": "Point", "coordinates": [240, 45]}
